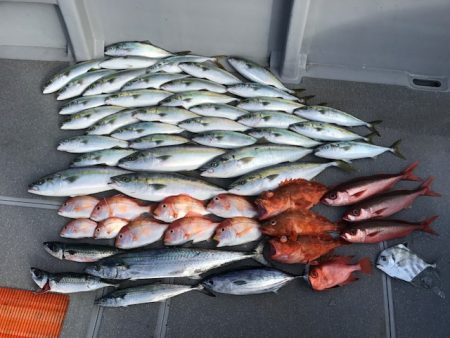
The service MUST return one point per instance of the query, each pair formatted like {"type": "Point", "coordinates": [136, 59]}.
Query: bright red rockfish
{"type": "Point", "coordinates": [290, 195]}
{"type": "Point", "coordinates": [305, 250]}
{"type": "Point", "coordinates": [388, 204]}
{"type": "Point", "coordinates": [300, 222]}
{"type": "Point", "coordinates": [337, 271]}
{"type": "Point", "coordinates": [363, 187]}
{"type": "Point", "coordinates": [383, 230]}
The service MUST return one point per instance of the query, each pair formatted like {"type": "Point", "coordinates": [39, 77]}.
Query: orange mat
{"type": "Point", "coordinates": [26, 314]}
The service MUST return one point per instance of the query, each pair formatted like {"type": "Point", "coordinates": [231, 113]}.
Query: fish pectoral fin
{"type": "Point", "coordinates": [246, 160]}
{"type": "Point", "coordinates": [239, 282]}
{"type": "Point", "coordinates": [380, 211]}
{"type": "Point", "coordinates": [359, 193]}
{"type": "Point", "coordinates": [45, 289]}
{"type": "Point", "coordinates": [349, 280]}
{"type": "Point", "coordinates": [373, 234]}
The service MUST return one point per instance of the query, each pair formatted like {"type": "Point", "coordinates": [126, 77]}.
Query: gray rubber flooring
{"type": "Point", "coordinates": [374, 306]}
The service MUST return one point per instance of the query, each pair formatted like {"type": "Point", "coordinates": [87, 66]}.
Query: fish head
{"type": "Point", "coordinates": [317, 279]}
{"type": "Point", "coordinates": [219, 203]}
{"type": "Point", "coordinates": [125, 238]}
{"type": "Point", "coordinates": [335, 198]}
{"type": "Point", "coordinates": [127, 182]}
{"type": "Point", "coordinates": [251, 119]}
{"type": "Point", "coordinates": [281, 249]}
{"type": "Point", "coordinates": [101, 211]}
{"type": "Point", "coordinates": [210, 168]}
{"type": "Point", "coordinates": [175, 235]}
{"type": "Point", "coordinates": [110, 300]}
{"type": "Point", "coordinates": [355, 214]}
{"type": "Point", "coordinates": [386, 262]}
{"type": "Point", "coordinates": [354, 235]}
{"type": "Point", "coordinates": [45, 185]}
{"type": "Point", "coordinates": [270, 204]}
{"type": "Point", "coordinates": [118, 49]}
{"type": "Point", "coordinates": [166, 211]}
{"type": "Point", "coordinates": [40, 277]}
{"type": "Point", "coordinates": [55, 249]}
{"type": "Point", "coordinates": [270, 227]}
{"type": "Point", "coordinates": [77, 226]}
{"type": "Point", "coordinates": [172, 101]}
{"type": "Point", "coordinates": [106, 270]}
{"type": "Point", "coordinates": [132, 161]}
{"type": "Point", "coordinates": [225, 233]}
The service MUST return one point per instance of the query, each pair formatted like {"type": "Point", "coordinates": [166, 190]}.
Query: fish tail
{"type": "Point", "coordinates": [426, 186]}
{"type": "Point", "coordinates": [395, 149]}
{"type": "Point", "coordinates": [305, 99]}
{"type": "Point", "coordinates": [408, 173]}
{"type": "Point", "coordinates": [369, 137]}
{"type": "Point", "coordinates": [426, 225]}
{"type": "Point", "coordinates": [344, 166]}
{"type": "Point", "coordinates": [371, 126]}
{"type": "Point", "coordinates": [200, 287]}
{"type": "Point", "coordinates": [258, 254]}
{"type": "Point", "coordinates": [365, 265]}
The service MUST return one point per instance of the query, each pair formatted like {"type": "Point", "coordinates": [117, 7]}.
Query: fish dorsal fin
{"type": "Point", "coordinates": [291, 181]}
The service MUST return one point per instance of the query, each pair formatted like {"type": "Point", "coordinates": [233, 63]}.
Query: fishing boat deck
{"type": "Point", "coordinates": [375, 306]}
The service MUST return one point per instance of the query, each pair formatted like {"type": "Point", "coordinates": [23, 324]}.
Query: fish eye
{"type": "Point", "coordinates": [223, 229]}
{"type": "Point", "coordinates": [171, 231]}
{"type": "Point", "coordinates": [383, 258]}
{"type": "Point", "coordinates": [332, 195]}
{"type": "Point", "coordinates": [97, 208]}
{"type": "Point", "coordinates": [216, 198]}
{"type": "Point", "coordinates": [65, 204]}
{"type": "Point", "coordinates": [120, 236]}
{"type": "Point", "coordinates": [97, 230]}
{"type": "Point", "coordinates": [356, 212]}
{"type": "Point", "coordinates": [214, 164]}
{"type": "Point", "coordinates": [353, 232]}
{"type": "Point", "coordinates": [314, 274]}
{"type": "Point", "coordinates": [126, 179]}
{"type": "Point", "coordinates": [164, 206]}
{"type": "Point", "coordinates": [273, 222]}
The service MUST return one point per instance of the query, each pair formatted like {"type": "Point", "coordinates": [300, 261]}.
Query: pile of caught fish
{"type": "Point", "coordinates": [150, 114]}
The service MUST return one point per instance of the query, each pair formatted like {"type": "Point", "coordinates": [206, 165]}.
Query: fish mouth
{"type": "Point", "coordinates": [273, 249]}
{"type": "Point", "coordinates": [32, 188]}
{"type": "Point", "coordinates": [261, 210]}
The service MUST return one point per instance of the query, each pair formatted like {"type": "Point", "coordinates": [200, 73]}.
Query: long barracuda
{"type": "Point", "coordinates": [157, 186]}
{"type": "Point", "coordinates": [144, 294]}
{"type": "Point", "coordinates": [75, 181]}
{"type": "Point", "coordinates": [166, 263]}
{"type": "Point", "coordinates": [241, 161]}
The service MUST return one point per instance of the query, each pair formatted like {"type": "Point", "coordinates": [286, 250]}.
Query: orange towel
{"type": "Point", "coordinates": [26, 314]}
